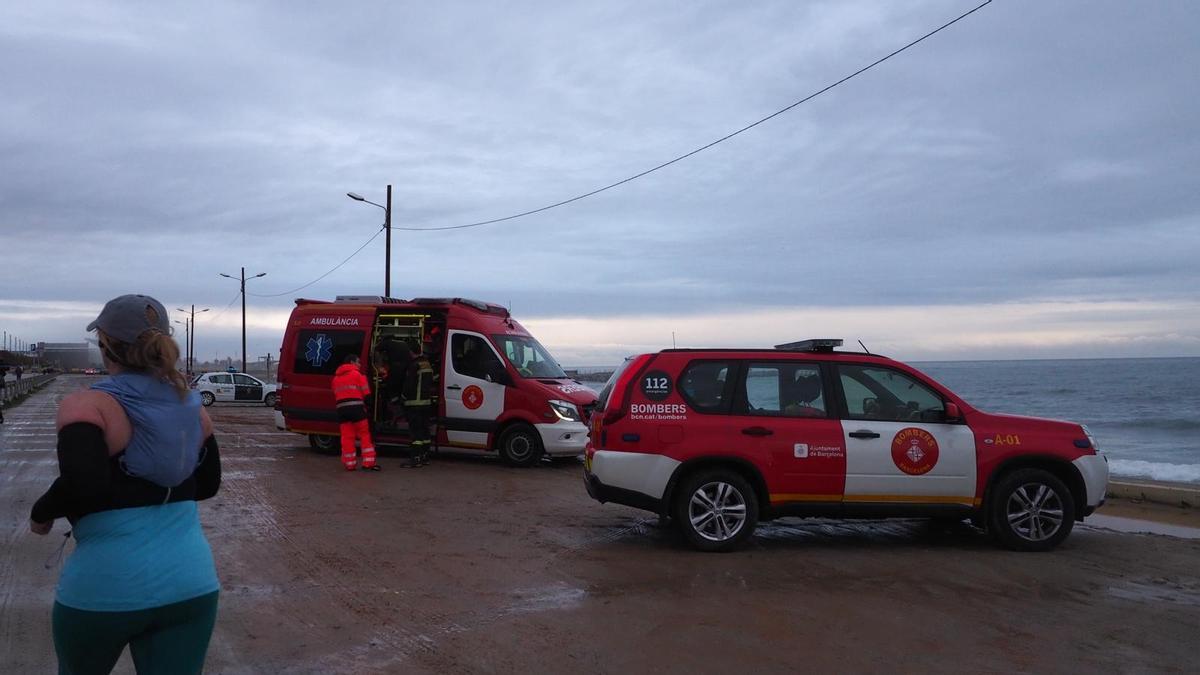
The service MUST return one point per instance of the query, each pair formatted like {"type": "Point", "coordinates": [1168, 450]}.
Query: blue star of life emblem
{"type": "Point", "coordinates": [320, 350]}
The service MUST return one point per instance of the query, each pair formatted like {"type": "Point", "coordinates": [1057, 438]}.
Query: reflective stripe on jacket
{"type": "Point", "coordinates": [349, 384]}
{"type": "Point", "coordinates": [418, 382]}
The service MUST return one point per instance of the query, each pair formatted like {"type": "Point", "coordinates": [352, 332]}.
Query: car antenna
{"type": "Point", "coordinates": [860, 344]}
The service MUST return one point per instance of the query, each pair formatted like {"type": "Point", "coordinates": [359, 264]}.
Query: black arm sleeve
{"type": "Point", "coordinates": [87, 486]}
{"type": "Point", "coordinates": [83, 466]}
{"type": "Point", "coordinates": [208, 474]}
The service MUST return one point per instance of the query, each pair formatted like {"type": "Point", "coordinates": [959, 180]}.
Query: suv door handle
{"type": "Point", "coordinates": [863, 433]}
{"type": "Point", "coordinates": [455, 387]}
{"type": "Point", "coordinates": [757, 431]}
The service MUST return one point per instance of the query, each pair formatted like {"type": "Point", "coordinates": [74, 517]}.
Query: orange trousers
{"type": "Point", "coordinates": [362, 430]}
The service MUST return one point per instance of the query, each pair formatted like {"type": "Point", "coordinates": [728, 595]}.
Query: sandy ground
{"type": "Point", "coordinates": [470, 566]}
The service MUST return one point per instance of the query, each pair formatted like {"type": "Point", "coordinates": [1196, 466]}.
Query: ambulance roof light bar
{"type": "Point", "coordinates": [817, 345]}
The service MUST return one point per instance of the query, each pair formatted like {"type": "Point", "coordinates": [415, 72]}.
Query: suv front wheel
{"type": "Point", "coordinates": [716, 509]}
{"type": "Point", "coordinates": [1031, 510]}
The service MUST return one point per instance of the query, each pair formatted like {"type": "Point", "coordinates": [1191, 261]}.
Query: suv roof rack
{"type": "Point", "coordinates": [815, 345]}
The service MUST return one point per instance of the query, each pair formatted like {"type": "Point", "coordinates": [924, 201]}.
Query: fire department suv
{"type": "Point", "coordinates": [718, 440]}
{"type": "Point", "coordinates": [497, 388]}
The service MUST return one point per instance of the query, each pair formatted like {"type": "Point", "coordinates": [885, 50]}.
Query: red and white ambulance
{"type": "Point", "coordinates": [718, 440]}
{"type": "Point", "coordinates": [498, 389]}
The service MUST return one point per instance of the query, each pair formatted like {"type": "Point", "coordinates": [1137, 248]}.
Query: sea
{"type": "Point", "coordinates": [1144, 413]}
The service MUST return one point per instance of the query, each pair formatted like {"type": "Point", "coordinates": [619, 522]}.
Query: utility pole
{"type": "Point", "coordinates": [191, 340]}
{"type": "Point", "coordinates": [243, 292]}
{"type": "Point", "coordinates": [387, 226]}
{"type": "Point", "coordinates": [387, 235]}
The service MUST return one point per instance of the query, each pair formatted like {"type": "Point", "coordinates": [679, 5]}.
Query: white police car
{"type": "Point", "coordinates": [233, 388]}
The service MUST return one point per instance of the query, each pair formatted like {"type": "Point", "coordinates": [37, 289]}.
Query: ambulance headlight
{"type": "Point", "coordinates": [565, 410]}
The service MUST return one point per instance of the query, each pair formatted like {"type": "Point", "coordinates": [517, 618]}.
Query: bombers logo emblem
{"type": "Point", "coordinates": [472, 397]}
{"type": "Point", "coordinates": [915, 451]}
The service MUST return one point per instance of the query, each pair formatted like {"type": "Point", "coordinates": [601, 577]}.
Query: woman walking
{"type": "Point", "coordinates": [135, 453]}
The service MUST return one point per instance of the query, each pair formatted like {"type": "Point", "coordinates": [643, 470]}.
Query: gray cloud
{"type": "Point", "coordinates": [1035, 151]}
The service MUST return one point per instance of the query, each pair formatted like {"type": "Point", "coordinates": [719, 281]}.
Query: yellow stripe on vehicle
{"type": "Point", "coordinates": [803, 497]}
{"type": "Point", "coordinates": [913, 499]}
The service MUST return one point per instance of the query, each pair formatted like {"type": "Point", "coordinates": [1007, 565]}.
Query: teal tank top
{"type": "Point", "coordinates": [133, 559]}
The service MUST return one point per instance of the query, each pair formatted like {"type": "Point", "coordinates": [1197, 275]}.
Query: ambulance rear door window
{"type": "Point", "coordinates": [320, 352]}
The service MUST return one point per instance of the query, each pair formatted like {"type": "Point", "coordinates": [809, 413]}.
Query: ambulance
{"type": "Point", "coordinates": [498, 389]}
{"type": "Point", "coordinates": [718, 440]}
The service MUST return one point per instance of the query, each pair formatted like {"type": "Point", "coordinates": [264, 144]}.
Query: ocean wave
{"type": "Point", "coordinates": [1172, 424]}
{"type": "Point", "coordinates": [1136, 468]}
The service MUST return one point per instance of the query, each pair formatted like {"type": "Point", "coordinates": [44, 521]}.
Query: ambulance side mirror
{"type": "Point", "coordinates": [953, 414]}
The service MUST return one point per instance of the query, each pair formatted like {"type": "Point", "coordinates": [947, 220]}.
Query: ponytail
{"type": "Point", "coordinates": [154, 352]}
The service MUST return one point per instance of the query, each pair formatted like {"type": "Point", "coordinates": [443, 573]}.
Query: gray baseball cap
{"type": "Point", "coordinates": [126, 317]}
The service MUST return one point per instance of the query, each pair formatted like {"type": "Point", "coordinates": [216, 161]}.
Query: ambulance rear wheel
{"type": "Point", "coordinates": [207, 399]}
{"type": "Point", "coordinates": [1030, 510]}
{"type": "Point", "coordinates": [520, 445]}
{"type": "Point", "coordinates": [716, 510]}
{"type": "Point", "coordinates": [325, 445]}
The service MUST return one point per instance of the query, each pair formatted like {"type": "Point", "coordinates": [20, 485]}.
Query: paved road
{"type": "Point", "coordinates": [469, 566]}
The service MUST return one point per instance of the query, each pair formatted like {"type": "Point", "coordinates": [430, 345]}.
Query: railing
{"type": "Point", "coordinates": [15, 388]}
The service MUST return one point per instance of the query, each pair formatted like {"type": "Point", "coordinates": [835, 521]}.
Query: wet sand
{"type": "Point", "coordinates": [470, 566]}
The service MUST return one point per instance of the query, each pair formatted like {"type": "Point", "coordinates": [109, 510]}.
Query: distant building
{"type": "Point", "coordinates": [67, 355]}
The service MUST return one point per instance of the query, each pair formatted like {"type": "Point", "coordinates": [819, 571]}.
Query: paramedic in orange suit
{"type": "Point", "coordinates": [349, 389]}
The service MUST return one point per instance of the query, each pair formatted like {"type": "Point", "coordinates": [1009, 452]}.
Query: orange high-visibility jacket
{"type": "Point", "coordinates": [349, 385]}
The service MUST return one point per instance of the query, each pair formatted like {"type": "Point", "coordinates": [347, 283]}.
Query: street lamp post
{"type": "Point", "coordinates": [191, 340]}
{"type": "Point", "coordinates": [243, 292]}
{"type": "Point", "coordinates": [387, 227]}
{"type": "Point", "coordinates": [187, 359]}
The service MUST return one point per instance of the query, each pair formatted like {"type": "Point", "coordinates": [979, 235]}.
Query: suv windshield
{"type": "Point", "coordinates": [528, 357]}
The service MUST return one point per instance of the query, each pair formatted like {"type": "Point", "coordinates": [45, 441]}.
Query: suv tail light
{"type": "Point", "coordinates": [618, 398]}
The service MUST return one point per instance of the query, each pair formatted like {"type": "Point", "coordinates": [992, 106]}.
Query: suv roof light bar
{"type": "Point", "coordinates": [817, 345]}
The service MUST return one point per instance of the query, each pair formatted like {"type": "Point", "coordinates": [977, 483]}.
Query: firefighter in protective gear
{"type": "Point", "coordinates": [417, 394]}
{"type": "Point", "coordinates": [349, 390]}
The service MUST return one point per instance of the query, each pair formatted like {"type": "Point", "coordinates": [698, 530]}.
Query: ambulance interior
{"type": "Point", "coordinates": [393, 345]}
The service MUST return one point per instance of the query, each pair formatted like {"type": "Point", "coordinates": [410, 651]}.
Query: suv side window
{"type": "Point", "coordinates": [705, 385]}
{"type": "Point", "coordinates": [874, 393]}
{"type": "Point", "coordinates": [246, 381]}
{"type": "Point", "coordinates": [784, 390]}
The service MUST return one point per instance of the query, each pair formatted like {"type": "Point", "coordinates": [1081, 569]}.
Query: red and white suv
{"type": "Point", "coordinates": [719, 439]}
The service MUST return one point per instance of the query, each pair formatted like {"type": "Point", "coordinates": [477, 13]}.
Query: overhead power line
{"type": "Point", "coordinates": [331, 271]}
{"type": "Point", "coordinates": [637, 175]}
{"type": "Point", "coordinates": [703, 147]}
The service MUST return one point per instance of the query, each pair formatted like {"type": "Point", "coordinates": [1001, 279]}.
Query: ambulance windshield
{"type": "Point", "coordinates": [528, 357]}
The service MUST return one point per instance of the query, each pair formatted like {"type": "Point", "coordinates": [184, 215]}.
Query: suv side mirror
{"type": "Point", "coordinates": [953, 414]}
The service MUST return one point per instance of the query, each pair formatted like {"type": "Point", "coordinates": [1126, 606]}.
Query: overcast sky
{"type": "Point", "coordinates": [1021, 185]}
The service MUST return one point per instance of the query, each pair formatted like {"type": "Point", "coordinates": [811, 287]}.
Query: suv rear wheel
{"type": "Point", "coordinates": [716, 509]}
{"type": "Point", "coordinates": [520, 445]}
{"type": "Point", "coordinates": [1031, 510]}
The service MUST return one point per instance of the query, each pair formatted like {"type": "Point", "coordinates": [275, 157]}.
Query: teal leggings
{"type": "Point", "coordinates": [168, 639]}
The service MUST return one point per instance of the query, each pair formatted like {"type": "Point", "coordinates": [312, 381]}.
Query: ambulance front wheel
{"type": "Point", "coordinates": [1030, 510]}
{"type": "Point", "coordinates": [207, 399]}
{"type": "Point", "coordinates": [325, 445]}
{"type": "Point", "coordinates": [520, 445]}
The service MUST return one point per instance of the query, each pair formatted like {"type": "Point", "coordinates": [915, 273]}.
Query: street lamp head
{"type": "Point", "coordinates": [226, 275]}
{"type": "Point", "coordinates": [356, 197]}
{"type": "Point", "coordinates": [260, 274]}
{"type": "Point", "coordinates": [180, 309]}
{"type": "Point", "coordinates": [202, 310]}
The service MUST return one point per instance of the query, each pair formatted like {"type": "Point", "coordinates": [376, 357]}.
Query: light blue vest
{"type": "Point", "coordinates": [165, 446]}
